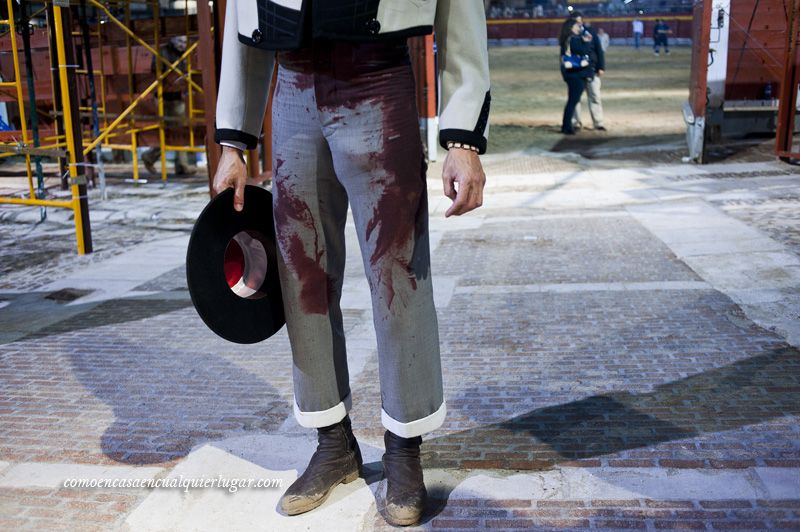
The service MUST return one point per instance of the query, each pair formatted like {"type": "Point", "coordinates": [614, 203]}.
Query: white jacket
{"type": "Point", "coordinates": [255, 27]}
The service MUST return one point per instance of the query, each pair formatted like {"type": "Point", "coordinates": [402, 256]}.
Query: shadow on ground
{"type": "Point", "coordinates": [589, 143]}
{"type": "Point", "coordinates": [754, 148]}
{"type": "Point", "coordinates": [592, 144]}
{"type": "Point", "coordinates": [169, 397]}
{"type": "Point", "coordinates": [750, 391]}
{"type": "Point", "coordinates": [33, 316]}
{"type": "Point", "coordinates": [170, 383]}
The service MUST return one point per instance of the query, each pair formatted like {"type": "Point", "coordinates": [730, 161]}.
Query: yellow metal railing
{"type": "Point", "coordinates": [160, 63]}
{"type": "Point", "coordinates": [63, 144]}
{"type": "Point", "coordinates": [128, 110]}
{"type": "Point", "coordinates": [74, 202]}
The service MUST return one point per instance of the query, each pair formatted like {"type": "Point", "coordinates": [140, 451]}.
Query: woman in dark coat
{"type": "Point", "coordinates": [575, 68]}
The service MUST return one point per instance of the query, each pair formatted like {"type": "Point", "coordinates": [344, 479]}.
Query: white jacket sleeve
{"type": "Point", "coordinates": [464, 69]}
{"type": "Point", "coordinates": [243, 87]}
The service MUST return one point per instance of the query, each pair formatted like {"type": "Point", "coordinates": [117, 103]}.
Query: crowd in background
{"type": "Point", "coordinates": [499, 9]}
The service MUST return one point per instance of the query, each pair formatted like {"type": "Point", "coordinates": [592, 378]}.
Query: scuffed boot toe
{"type": "Point", "coordinates": [406, 510]}
{"type": "Point", "coordinates": [337, 460]}
{"type": "Point", "coordinates": [300, 498]}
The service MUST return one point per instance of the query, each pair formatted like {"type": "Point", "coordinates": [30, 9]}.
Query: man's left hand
{"type": "Point", "coordinates": [464, 168]}
{"type": "Point", "coordinates": [601, 72]}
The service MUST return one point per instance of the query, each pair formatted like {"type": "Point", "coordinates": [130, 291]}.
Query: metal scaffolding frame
{"type": "Point", "coordinates": [710, 84]}
{"type": "Point", "coordinates": [78, 203]}
{"type": "Point", "coordinates": [787, 108]}
{"type": "Point", "coordinates": [71, 144]}
{"type": "Point", "coordinates": [107, 132]}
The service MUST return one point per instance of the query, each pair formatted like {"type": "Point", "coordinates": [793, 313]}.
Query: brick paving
{"type": "Point", "coordinates": [572, 343]}
{"type": "Point", "coordinates": [572, 380]}
{"type": "Point", "coordinates": [33, 254]}
{"type": "Point", "coordinates": [520, 514]}
{"type": "Point", "coordinates": [66, 509]}
{"type": "Point", "coordinates": [565, 250]}
{"type": "Point", "coordinates": [96, 389]}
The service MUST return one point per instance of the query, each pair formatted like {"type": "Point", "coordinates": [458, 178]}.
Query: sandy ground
{"type": "Point", "coordinates": [642, 98]}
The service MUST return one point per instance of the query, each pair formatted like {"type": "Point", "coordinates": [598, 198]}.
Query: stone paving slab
{"type": "Point", "coordinates": [604, 249]}
{"type": "Point", "coordinates": [561, 488]}
{"type": "Point", "coordinates": [44, 475]}
{"type": "Point", "coordinates": [119, 275]}
{"type": "Point", "coordinates": [733, 257]}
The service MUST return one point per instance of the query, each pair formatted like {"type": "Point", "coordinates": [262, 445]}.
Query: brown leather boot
{"type": "Point", "coordinates": [337, 460]}
{"type": "Point", "coordinates": [405, 489]}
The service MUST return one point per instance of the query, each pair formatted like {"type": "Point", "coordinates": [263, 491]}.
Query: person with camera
{"type": "Point", "coordinates": [592, 85]}
{"type": "Point", "coordinates": [575, 68]}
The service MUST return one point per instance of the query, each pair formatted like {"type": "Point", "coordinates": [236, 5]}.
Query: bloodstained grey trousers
{"type": "Point", "coordinates": [345, 131]}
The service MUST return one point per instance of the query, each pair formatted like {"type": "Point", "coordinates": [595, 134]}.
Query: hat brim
{"type": "Point", "coordinates": [243, 320]}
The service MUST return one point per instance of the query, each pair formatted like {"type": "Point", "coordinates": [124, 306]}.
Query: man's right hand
{"type": "Point", "coordinates": [231, 173]}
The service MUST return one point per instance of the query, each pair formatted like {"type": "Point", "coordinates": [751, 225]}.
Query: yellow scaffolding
{"type": "Point", "coordinates": [160, 62]}
{"type": "Point", "coordinates": [63, 144]}
{"type": "Point", "coordinates": [75, 202]}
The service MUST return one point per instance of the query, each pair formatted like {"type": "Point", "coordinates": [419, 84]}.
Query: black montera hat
{"type": "Point", "coordinates": [232, 269]}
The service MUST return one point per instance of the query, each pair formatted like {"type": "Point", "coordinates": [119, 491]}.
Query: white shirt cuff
{"type": "Point", "coordinates": [241, 146]}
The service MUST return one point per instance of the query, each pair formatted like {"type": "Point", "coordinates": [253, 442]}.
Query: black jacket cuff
{"type": "Point", "coordinates": [462, 135]}
{"type": "Point", "coordinates": [249, 140]}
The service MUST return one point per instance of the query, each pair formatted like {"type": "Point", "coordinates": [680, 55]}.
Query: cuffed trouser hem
{"type": "Point", "coordinates": [323, 418]}
{"type": "Point", "coordinates": [414, 428]}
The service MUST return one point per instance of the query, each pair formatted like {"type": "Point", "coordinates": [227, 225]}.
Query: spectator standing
{"type": "Point", "coordinates": [661, 33]}
{"type": "Point", "coordinates": [597, 64]}
{"type": "Point", "coordinates": [605, 40]}
{"type": "Point", "coordinates": [638, 31]}
{"type": "Point", "coordinates": [174, 108]}
{"type": "Point", "coordinates": [575, 68]}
